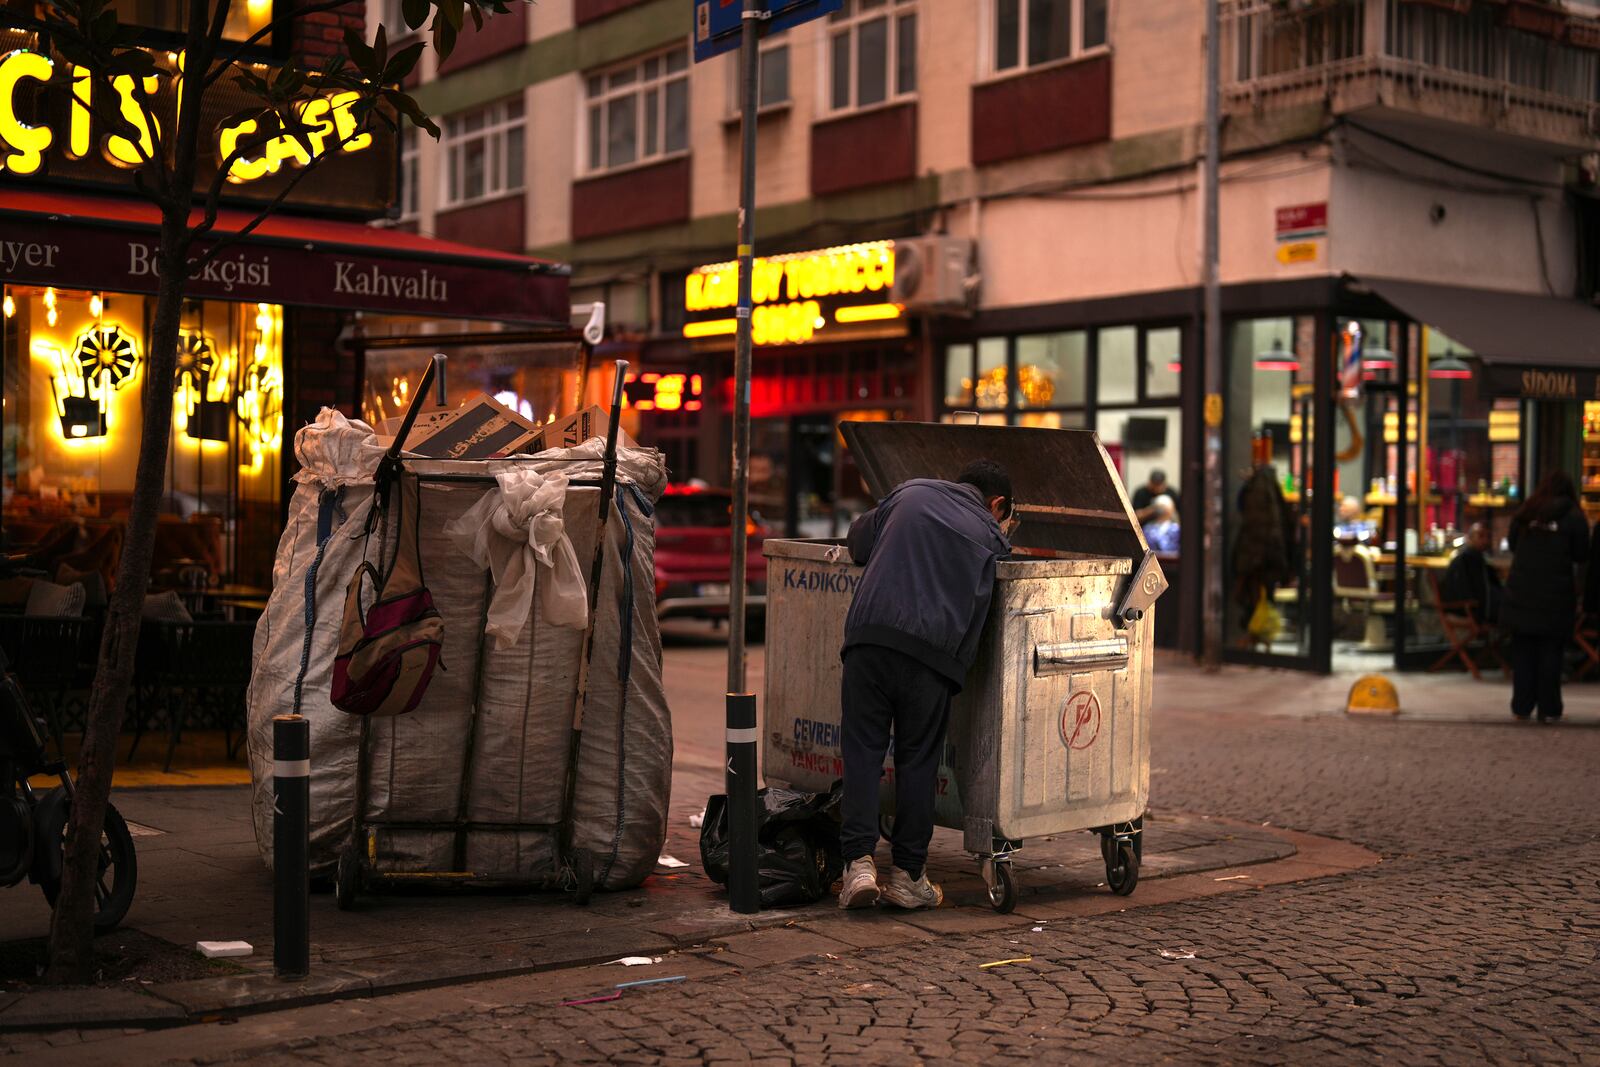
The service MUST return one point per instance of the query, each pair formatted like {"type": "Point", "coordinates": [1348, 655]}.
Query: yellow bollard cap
{"type": "Point", "coordinates": [1373, 694]}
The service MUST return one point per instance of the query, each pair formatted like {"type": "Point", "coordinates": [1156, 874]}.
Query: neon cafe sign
{"type": "Point", "coordinates": [795, 297]}
{"type": "Point", "coordinates": [23, 146]}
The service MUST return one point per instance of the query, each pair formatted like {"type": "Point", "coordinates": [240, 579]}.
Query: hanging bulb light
{"type": "Point", "coordinates": [50, 315]}
{"type": "Point", "coordinates": [1277, 359]}
{"type": "Point", "coordinates": [49, 297]}
{"type": "Point", "coordinates": [96, 305]}
{"type": "Point", "coordinates": [10, 306]}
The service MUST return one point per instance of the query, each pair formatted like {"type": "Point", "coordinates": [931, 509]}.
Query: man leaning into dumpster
{"type": "Point", "coordinates": [912, 633]}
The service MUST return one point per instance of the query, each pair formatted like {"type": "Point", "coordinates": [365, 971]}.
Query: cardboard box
{"type": "Point", "coordinates": [569, 431]}
{"type": "Point", "coordinates": [481, 427]}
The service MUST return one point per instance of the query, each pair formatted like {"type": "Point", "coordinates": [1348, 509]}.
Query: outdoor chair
{"type": "Point", "coordinates": [1586, 635]}
{"type": "Point", "coordinates": [1355, 582]}
{"type": "Point", "coordinates": [1459, 622]}
{"type": "Point", "coordinates": [194, 670]}
{"type": "Point", "coordinates": [45, 653]}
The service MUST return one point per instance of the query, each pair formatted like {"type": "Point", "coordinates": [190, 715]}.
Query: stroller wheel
{"type": "Point", "coordinates": [116, 874]}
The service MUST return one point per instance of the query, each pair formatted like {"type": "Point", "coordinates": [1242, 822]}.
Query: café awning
{"type": "Point", "coordinates": [1514, 329]}
{"type": "Point", "coordinates": [82, 241]}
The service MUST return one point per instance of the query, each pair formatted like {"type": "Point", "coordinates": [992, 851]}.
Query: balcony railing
{"type": "Point", "coordinates": [1465, 66]}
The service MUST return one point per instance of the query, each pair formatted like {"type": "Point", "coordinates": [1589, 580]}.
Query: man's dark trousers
{"type": "Point", "coordinates": [884, 688]}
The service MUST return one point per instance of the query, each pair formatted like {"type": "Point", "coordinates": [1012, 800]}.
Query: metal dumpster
{"type": "Point", "coordinates": [1051, 732]}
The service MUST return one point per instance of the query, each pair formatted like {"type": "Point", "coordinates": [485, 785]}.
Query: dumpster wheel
{"type": "Point", "coordinates": [1122, 867]}
{"type": "Point", "coordinates": [1002, 886]}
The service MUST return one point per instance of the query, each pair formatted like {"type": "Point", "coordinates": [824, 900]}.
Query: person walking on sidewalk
{"type": "Point", "coordinates": [910, 637]}
{"type": "Point", "coordinates": [1549, 539]}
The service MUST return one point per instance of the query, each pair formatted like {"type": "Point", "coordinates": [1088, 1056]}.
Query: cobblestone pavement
{"type": "Point", "coordinates": [1475, 940]}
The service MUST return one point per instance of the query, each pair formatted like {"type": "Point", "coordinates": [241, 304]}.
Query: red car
{"type": "Point", "coordinates": [693, 546]}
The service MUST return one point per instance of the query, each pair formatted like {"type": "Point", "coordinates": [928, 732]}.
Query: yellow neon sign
{"type": "Point", "coordinates": [800, 276]}
{"type": "Point", "coordinates": [331, 121]}
{"type": "Point", "coordinates": [27, 143]}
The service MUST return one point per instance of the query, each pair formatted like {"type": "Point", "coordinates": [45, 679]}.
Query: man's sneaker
{"type": "Point", "coordinates": [860, 886]}
{"type": "Point", "coordinates": [902, 892]}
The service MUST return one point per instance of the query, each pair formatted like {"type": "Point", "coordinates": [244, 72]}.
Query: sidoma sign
{"type": "Point", "coordinates": [25, 144]}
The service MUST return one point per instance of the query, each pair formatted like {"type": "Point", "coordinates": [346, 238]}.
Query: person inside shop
{"type": "Point", "coordinates": [1471, 579]}
{"type": "Point", "coordinates": [1549, 540]}
{"type": "Point", "coordinates": [930, 549]}
{"type": "Point", "coordinates": [1144, 497]}
{"type": "Point", "coordinates": [1353, 524]}
{"type": "Point", "coordinates": [1161, 531]}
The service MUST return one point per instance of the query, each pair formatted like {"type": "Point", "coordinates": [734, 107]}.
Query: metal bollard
{"type": "Point", "coordinates": [291, 830]}
{"type": "Point", "coordinates": [744, 885]}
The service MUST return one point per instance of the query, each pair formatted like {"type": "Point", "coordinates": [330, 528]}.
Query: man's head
{"type": "Point", "coordinates": [1349, 509]}
{"type": "Point", "coordinates": [1478, 537]}
{"type": "Point", "coordinates": [993, 485]}
{"type": "Point", "coordinates": [1162, 509]}
{"type": "Point", "coordinates": [1158, 480]}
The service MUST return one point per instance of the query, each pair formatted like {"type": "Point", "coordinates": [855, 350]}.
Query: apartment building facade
{"type": "Point", "coordinates": [1408, 227]}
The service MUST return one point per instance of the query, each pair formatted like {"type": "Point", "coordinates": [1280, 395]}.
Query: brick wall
{"type": "Point", "coordinates": [319, 35]}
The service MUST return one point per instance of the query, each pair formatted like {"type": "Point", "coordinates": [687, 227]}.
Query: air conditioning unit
{"type": "Point", "coordinates": [934, 274]}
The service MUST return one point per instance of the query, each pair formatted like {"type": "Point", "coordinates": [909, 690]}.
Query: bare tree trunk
{"type": "Point", "coordinates": [72, 925]}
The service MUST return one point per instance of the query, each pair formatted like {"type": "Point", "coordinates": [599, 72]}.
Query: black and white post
{"type": "Point", "coordinates": [743, 892]}
{"type": "Point", "coordinates": [291, 829]}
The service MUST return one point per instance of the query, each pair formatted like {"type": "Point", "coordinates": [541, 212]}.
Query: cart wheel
{"type": "Point", "coordinates": [117, 875]}
{"type": "Point", "coordinates": [1123, 875]}
{"type": "Point", "coordinates": [583, 871]}
{"type": "Point", "coordinates": [1003, 893]}
{"type": "Point", "coordinates": [347, 880]}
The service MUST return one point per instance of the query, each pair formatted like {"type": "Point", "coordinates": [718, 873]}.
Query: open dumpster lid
{"type": "Point", "coordinates": [1067, 492]}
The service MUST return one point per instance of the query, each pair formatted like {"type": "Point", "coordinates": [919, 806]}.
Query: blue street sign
{"type": "Point", "coordinates": [717, 22]}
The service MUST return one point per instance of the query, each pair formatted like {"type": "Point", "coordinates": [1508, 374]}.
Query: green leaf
{"type": "Point", "coordinates": [444, 37]}
{"type": "Point", "coordinates": [381, 48]}
{"type": "Point", "coordinates": [454, 12]}
{"type": "Point", "coordinates": [403, 63]}
{"type": "Point", "coordinates": [415, 12]}
{"type": "Point", "coordinates": [361, 54]}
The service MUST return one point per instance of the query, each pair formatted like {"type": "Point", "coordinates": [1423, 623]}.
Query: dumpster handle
{"type": "Point", "coordinates": [975, 416]}
{"type": "Point", "coordinates": [1073, 657]}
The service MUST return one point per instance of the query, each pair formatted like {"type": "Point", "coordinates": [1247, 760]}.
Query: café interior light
{"type": "Point", "coordinates": [203, 388]}
{"type": "Point", "coordinates": [1277, 359]}
{"type": "Point", "coordinates": [103, 360]}
{"type": "Point", "coordinates": [10, 306]}
{"type": "Point", "coordinates": [1449, 365]}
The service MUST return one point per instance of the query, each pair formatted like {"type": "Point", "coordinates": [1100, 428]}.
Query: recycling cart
{"type": "Point", "coordinates": [1052, 731]}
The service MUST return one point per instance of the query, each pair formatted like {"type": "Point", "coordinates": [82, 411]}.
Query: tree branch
{"type": "Point", "coordinates": [223, 241]}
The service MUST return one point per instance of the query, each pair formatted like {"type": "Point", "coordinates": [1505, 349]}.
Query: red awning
{"type": "Point", "coordinates": [82, 241]}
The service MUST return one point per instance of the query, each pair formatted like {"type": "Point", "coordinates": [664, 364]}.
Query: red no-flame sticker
{"type": "Point", "coordinates": [1080, 720]}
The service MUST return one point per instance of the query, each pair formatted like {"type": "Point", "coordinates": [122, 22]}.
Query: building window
{"type": "Point", "coordinates": [410, 157]}
{"type": "Point", "coordinates": [872, 53]}
{"type": "Point", "coordinates": [483, 153]}
{"type": "Point", "coordinates": [1028, 33]}
{"type": "Point", "coordinates": [638, 112]}
{"type": "Point", "coordinates": [774, 75]}
{"type": "Point", "coordinates": [172, 16]}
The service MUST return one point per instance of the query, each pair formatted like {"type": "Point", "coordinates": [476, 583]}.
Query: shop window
{"type": "Point", "coordinates": [1028, 33]}
{"type": "Point", "coordinates": [74, 381]}
{"type": "Point", "coordinates": [638, 112]}
{"type": "Point", "coordinates": [245, 17]}
{"type": "Point", "coordinates": [1267, 448]}
{"type": "Point", "coordinates": [1118, 364]}
{"type": "Point", "coordinates": [1163, 362]}
{"type": "Point", "coordinates": [872, 53]}
{"type": "Point", "coordinates": [483, 153]}
{"type": "Point", "coordinates": [1052, 369]}
{"type": "Point", "coordinates": [989, 383]}
{"type": "Point", "coordinates": [958, 376]}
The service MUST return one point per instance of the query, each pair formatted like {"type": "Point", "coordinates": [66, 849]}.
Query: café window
{"type": "Point", "coordinates": [537, 381]}
{"type": "Point", "coordinates": [1029, 33]}
{"type": "Point", "coordinates": [245, 17]}
{"type": "Point", "coordinates": [872, 53]}
{"type": "Point", "coordinates": [483, 153]}
{"type": "Point", "coordinates": [637, 112]}
{"type": "Point", "coordinates": [74, 378]}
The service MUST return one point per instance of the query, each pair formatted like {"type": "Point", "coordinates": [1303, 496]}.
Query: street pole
{"type": "Point", "coordinates": [1212, 627]}
{"type": "Point", "coordinates": [743, 875]}
{"type": "Point", "coordinates": [291, 827]}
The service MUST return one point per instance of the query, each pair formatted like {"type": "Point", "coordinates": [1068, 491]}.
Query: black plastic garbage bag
{"type": "Point", "coordinates": [798, 835]}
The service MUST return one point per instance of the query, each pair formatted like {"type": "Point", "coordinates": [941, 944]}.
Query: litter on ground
{"type": "Point", "coordinates": [670, 862]}
{"type": "Point", "coordinates": [1002, 963]}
